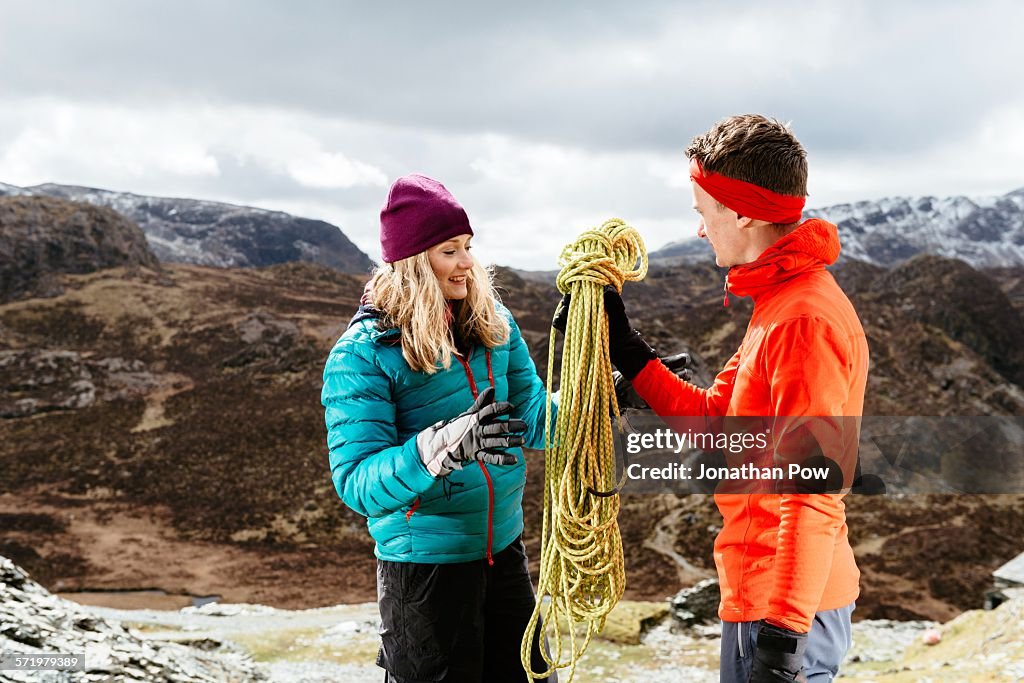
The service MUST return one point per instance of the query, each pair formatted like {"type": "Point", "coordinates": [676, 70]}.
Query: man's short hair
{"type": "Point", "coordinates": [755, 149]}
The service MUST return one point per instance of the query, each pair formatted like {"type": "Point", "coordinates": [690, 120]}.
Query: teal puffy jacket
{"type": "Point", "coordinates": [376, 405]}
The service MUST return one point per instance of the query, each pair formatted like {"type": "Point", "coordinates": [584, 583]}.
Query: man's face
{"type": "Point", "coordinates": [718, 225]}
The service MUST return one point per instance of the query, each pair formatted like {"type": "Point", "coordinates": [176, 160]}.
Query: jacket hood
{"type": "Point", "coordinates": [367, 311]}
{"type": "Point", "coordinates": [364, 312]}
{"type": "Point", "coordinates": [813, 245]}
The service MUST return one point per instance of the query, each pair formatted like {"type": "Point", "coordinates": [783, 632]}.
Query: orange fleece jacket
{"type": "Point", "coordinates": [784, 556]}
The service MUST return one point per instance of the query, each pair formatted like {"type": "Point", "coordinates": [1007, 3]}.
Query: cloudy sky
{"type": "Point", "coordinates": [543, 118]}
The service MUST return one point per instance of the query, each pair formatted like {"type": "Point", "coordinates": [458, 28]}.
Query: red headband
{"type": "Point", "coordinates": [748, 199]}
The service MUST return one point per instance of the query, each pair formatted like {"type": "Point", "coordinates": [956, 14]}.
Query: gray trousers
{"type": "Point", "coordinates": [827, 643]}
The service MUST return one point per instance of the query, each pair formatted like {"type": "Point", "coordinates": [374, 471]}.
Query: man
{"type": "Point", "coordinates": [785, 565]}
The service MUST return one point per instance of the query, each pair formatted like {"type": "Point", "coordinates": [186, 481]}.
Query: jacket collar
{"type": "Point", "coordinates": [377, 333]}
{"type": "Point", "coordinates": [813, 245]}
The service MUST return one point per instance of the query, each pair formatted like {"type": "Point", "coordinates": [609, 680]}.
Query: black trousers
{"type": "Point", "coordinates": [456, 623]}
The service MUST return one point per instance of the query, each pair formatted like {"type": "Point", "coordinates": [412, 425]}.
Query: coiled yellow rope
{"type": "Point", "coordinates": [581, 564]}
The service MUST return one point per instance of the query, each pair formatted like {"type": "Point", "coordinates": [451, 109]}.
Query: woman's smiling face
{"type": "Point", "coordinates": [452, 263]}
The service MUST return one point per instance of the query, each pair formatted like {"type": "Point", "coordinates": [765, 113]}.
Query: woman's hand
{"type": "Point", "coordinates": [477, 434]}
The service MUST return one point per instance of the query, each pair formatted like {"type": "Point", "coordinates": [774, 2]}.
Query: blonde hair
{"type": "Point", "coordinates": [410, 298]}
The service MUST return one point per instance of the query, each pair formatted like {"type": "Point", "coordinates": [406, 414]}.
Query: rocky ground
{"type": "Point", "coordinates": [33, 621]}
{"type": "Point", "coordinates": [171, 420]}
{"type": "Point", "coordinates": [642, 643]}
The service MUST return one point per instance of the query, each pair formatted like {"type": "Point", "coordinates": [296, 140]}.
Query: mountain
{"type": "Point", "coordinates": [966, 304]}
{"type": "Point", "coordinates": [217, 234]}
{"type": "Point", "coordinates": [984, 232]}
{"type": "Point", "coordinates": [42, 237]}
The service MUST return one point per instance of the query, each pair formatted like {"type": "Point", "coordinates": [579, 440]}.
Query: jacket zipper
{"type": "Point", "coordinates": [483, 467]}
{"type": "Point", "coordinates": [739, 638]}
{"type": "Point", "coordinates": [490, 512]}
{"type": "Point", "coordinates": [725, 291]}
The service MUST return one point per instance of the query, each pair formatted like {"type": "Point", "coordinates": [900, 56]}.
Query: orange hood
{"type": "Point", "coordinates": [812, 246]}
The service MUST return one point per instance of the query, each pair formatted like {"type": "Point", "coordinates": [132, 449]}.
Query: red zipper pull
{"type": "Point", "coordinates": [725, 289]}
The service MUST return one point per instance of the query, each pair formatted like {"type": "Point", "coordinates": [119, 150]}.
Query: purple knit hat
{"type": "Point", "coordinates": [420, 212]}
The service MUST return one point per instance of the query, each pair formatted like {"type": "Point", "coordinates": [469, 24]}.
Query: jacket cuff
{"type": "Point", "coordinates": [632, 354]}
{"type": "Point", "coordinates": [411, 471]}
{"type": "Point", "coordinates": [649, 377]}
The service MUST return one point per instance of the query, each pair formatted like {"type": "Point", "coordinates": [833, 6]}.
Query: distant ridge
{"type": "Point", "coordinates": [217, 234]}
{"type": "Point", "coordinates": [985, 232]}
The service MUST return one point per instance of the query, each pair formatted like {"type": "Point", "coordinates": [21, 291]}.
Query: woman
{"type": "Point", "coordinates": [416, 392]}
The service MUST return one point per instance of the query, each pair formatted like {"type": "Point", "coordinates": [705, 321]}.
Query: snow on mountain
{"type": "Point", "coordinates": [218, 234]}
{"type": "Point", "coordinates": [985, 232]}
{"type": "Point", "coordinates": [12, 190]}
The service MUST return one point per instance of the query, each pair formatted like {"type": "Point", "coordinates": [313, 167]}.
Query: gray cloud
{"type": "Point", "coordinates": [600, 75]}
{"type": "Point", "coordinates": [543, 118]}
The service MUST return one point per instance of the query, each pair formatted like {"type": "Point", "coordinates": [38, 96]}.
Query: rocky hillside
{"type": "Point", "coordinates": [986, 232]}
{"type": "Point", "coordinates": [218, 234]}
{"type": "Point", "coordinates": [967, 305]}
{"type": "Point", "coordinates": [42, 238]}
{"type": "Point", "coordinates": [172, 419]}
{"type": "Point", "coordinates": [149, 416]}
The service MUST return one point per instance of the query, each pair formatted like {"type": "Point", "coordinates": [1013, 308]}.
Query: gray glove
{"type": "Point", "coordinates": [477, 434]}
{"type": "Point", "coordinates": [779, 655]}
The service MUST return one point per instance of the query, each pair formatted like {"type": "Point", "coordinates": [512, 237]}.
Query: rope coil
{"type": "Point", "coordinates": [582, 569]}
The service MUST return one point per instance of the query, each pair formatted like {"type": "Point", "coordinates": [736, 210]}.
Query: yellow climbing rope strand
{"type": "Point", "coordinates": [582, 570]}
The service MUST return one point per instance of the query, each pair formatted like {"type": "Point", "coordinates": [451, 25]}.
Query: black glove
{"type": "Point", "coordinates": [779, 655]}
{"type": "Point", "coordinates": [627, 397]}
{"type": "Point", "coordinates": [477, 434]}
{"type": "Point", "coordinates": [561, 318]}
{"type": "Point", "coordinates": [629, 352]}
